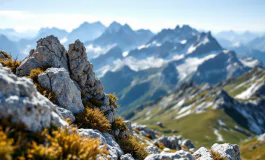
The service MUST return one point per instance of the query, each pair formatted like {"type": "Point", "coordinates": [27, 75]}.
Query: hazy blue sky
{"type": "Point", "coordinates": [215, 15]}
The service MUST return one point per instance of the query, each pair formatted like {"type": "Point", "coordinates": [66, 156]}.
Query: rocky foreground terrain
{"type": "Point", "coordinates": [53, 107]}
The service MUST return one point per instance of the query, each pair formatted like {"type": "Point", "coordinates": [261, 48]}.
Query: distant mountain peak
{"type": "Point", "coordinates": [88, 24]}
{"type": "Point", "coordinates": [87, 31]}
{"type": "Point", "coordinates": [185, 26]}
{"type": "Point", "coordinates": [177, 27]}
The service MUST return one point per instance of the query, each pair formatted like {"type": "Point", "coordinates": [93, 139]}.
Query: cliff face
{"type": "Point", "coordinates": [55, 88]}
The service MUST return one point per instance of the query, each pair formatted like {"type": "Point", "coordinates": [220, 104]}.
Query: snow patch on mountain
{"type": "Point", "coordinates": [250, 91]}
{"type": "Point", "coordinates": [261, 137]}
{"type": "Point", "coordinates": [179, 104]}
{"type": "Point", "coordinates": [95, 51]}
{"type": "Point", "coordinates": [190, 65]}
{"type": "Point", "coordinates": [221, 123]}
{"type": "Point", "coordinates": [218, 135]}
{"type": "Point", "coordinates": [183, 114]}
{"type": "Point", "coordinates": [64, 40]}
{"type": "Point", "coordinates": [250, 62]}
{"type": "Point", "coordinates": [124, 54]}
{"type": "Point", "coordinates": [138, 65]}
{"type": "Point", "coordinates": [183, 41]}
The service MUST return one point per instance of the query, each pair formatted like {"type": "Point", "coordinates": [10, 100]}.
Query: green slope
{"type": "Point", "coordinates": [194, 111]}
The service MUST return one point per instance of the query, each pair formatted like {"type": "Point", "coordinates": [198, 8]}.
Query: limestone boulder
{"type": "Point", "coordinates": [21, 102]}
{"type": "Point", "coordinates": [106, 139]}
{"type": "Point", "coordinates": [127, 157]}
{"type": "Point", "coordinates": [229, 151]}
{"type": "Point", "coordinates": [58, 81]}
{"type": "Point", "coordinates": [203, 154]}
{"type": "Point", "coordinates": [181, 155]}
{"type": "Point", "coordinates": [48, 53]}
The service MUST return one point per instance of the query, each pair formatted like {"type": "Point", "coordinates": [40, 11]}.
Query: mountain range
{"type": "Point", "coordinates": [229, 111]}
{"type": "Point", "coordinates": [151, 65]}
{"type": "Point", "coordinates": [161, 65]}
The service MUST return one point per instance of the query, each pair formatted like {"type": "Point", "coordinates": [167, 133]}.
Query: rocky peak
{"type": "Point", "coordinates": [48, 52]}
{"type": "Point", "coordinates": [114, 27]}
{"type": "Point", "coordinates": [222, 100]}
{"type": "Point", "coordinates": [204, 44]}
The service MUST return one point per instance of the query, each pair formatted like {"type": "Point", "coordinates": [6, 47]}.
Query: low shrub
{"type": "Point", "coordinates": [113, 99]}
{"type": "Point", "coordinates": [34, 73]}
{"type": "Point", "coordinates": [91, 103]}
{"type": "Point", "coordinates": [6, 148]}
{"type": "Point", "coordinates": [93, 118]}
{"type": "Point", "coordinates": [18, 143]}
{"type": "Point", "coordinates": [95, 102]}
{"type": "Point", "coordinates": [67, 144]}
{"type": "Point", "coordinates": [217, 156]}
{"type": "Point", "coordinates": [160, 145]}
{"type": "Point", "coordinates": [119, 124]}
{"type": "Point", "coordinates": [11, 64]}
{"type": "Point", "coordinates": [20, 137]}
{"type": "Point", "coordinates": [148, 136]}
{"type": "Point", "coordinates": [131, 145]}
{"type": "Point", "coordinates": [6, 55]}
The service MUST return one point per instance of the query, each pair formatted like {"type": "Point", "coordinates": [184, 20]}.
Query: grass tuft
{"type": "Point", "coordinates": [119, 124]}
{"type": "Point", "coordinates": [67, 144]}
{"type": "Point", "coordinates": [6, 55]}
{"type": "Point", "coordinates": [217, 156]}
{"type": "Point", "coordinates": [11, 64]}
{"type": "Point", "coordinates": [93, 118]}
{"type": "Point", "coordinates": [34, 73]}
{"type": "Point", "coordinates": [131, 145]}
{"type": "Point", "coordinates": [53, 143]}
{"type": "Point", "coordinates": [113, 99]}
{"type": "Point", "coordinates": [6, 148]}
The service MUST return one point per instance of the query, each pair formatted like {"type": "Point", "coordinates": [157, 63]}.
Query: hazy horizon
{"type": "Point", "coordinates": [155, 15]}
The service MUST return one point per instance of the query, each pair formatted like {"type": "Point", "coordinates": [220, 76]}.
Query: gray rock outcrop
{"type": "Point", "coordinates": [49, 52]}
{"type": "Point", "coordinates": [160, 124]}
{"type": "Point", "coordinates": [203, 154]}
{"type": "Point", "coordinates": [21, 101]}
{"type": "Point", "coordinates": [82, 71]}
{"type": "Point", "coordinates": [181, 155]}
{"type": "Point", "coordinates": [127, 157]}
{"type": "Point", "coordinates": [58, 81]}
{"type": "Point", "coordinates": [106, 139]}
{"type": "Point", "coordinates": [78, 74]}
{"type": "Point", "coordinates": [144, 130]}
{"type": "Point", "coordinates": [66, 114]}
{"type": "Point", "coordinates": [129, 125]}
{"type": "Point", "coordinates": [172, 142]}
{"type": "Point", "coordinates": [229, 151]}
{"type": "Point", "coordinates": [152, 150]}
{"type": "Point", "coordinates": [187, 143]}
